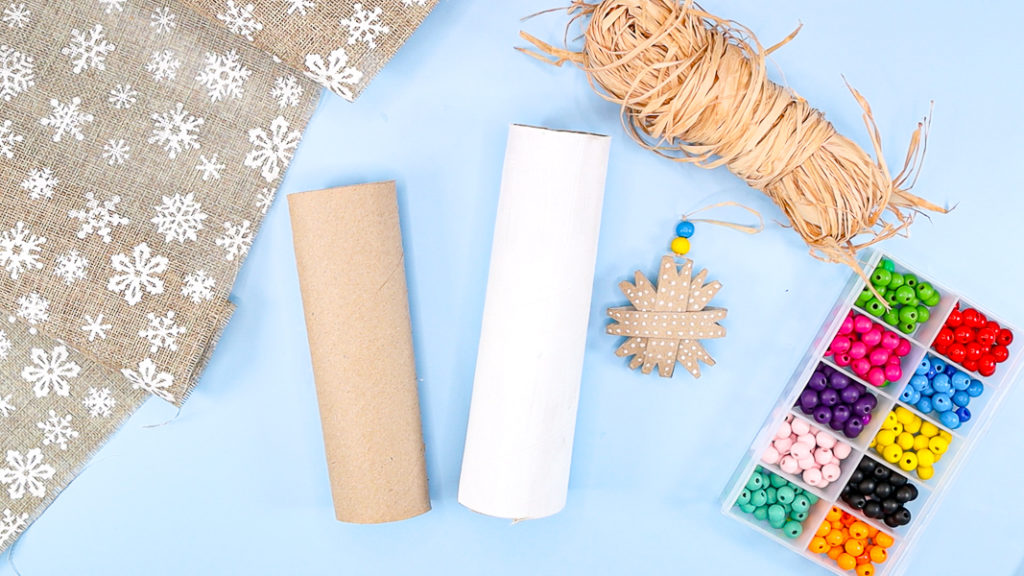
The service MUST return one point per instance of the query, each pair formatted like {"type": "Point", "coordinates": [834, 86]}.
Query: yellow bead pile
{"type": "Point", "coordinates": [911, 442]}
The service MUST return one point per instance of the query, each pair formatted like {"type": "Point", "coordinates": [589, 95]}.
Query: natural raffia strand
{"type": "Point", "coordinates": [693, 87]}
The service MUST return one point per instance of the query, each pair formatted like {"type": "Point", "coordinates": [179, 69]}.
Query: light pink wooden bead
{"type": "Point", "coordinates": [783, 444]}
{"type": "Point", "coordinates": [812, 476]}
{"type": "Point", "coordinates": [800, 427]}
{"type": "Point", "coordinates": [784, 431]}
{"type": "Point", "coordinates": [808, 439]}
{"type": "Point", "coordinates": [789, 465]}
{"type": "Point", "coordinates": [841, 450]}
{"type": "Point", "coordinates": [799, 450]}
{"type": "Point", "coordinates": [823, 456]}
{"type": "Point", "coordinates": [770, 456]}
{"type": "Point", "coordinates": [830, 472]}
{"type": "Point", "coordinates": [807, 463]}
{"type": "Point", "coordinates": [825, 440]}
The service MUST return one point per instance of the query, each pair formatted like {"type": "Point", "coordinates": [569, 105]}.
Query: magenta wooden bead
{"type": "Point", "coordinates": [812, 476]}
{"type": "Point", "coordinates": [903, 348]}
{"type": "Point", "coordinates": [770, 456]}
{"type": "Point", "coordinates": [840, 344]}
{"type": "Point", "coordinates": [825, 440]}
{"type": "Point", "coordinates": [889, 341]}
{"type": "Point", "coordinates": [862, 324]}
{"type": "Point", "coordinates": [893, 359]}
{"type": "Point", "coordinates": [893, 372]}
{"type": "Point", "coordinates": [878, 357]}
{"type": "Point", "coordinates": [789, 465]}
{"type": "Point", "coordinates": [847, 326]}
{"type": "Point", "coordinates": [872, 337]}
{"type": "Point", "coordinates": [860, 367]}
{"type": "Point", "coordinates": [876, 377]}
{"type": "Point", "coordinates": [858, 350]}
{"type": "Point", "coordinates": [830, 472]}
{"type": "Point", "coordinates": [843, 360]}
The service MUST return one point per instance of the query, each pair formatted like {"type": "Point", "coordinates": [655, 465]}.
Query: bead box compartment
{"type": "Point", "coordinates": [931, 491]}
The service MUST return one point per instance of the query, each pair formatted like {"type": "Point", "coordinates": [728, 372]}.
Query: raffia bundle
{"type": "Point", "coordinates": [693, 87]}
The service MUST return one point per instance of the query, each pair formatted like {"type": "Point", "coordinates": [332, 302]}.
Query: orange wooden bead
{"type": "Point", "coordinates": [837, 525]}
{"type": "Point", "coordinates": [834, 514]}
{"type": "Point", "coordinates": [846, 562]}
{"type": "Point", "coordinates": [872, 531]}
{"type": "Point", "coordinates": [854, 547]}
{"type": "Point", "coordinates": [824, 529]}
{"type": "Point", "coordinates": [866, 570]}
{"type": "Point", "coordinates": [863, 559]}
{"type": "Point", "coordinates": [847, 519]}
{"type": "Point", "coordinates": [834, 552]}
{"type": "Point", "coordinates": [835, 538]}
{"type": "Point", "coordinates": [878, 554]}
{"type": "Point", "coordinates": [884, 540]}
{"type": "Point", "coordinates": [859, 530]}
{"type": "Point", "coordinates": [818, 545]}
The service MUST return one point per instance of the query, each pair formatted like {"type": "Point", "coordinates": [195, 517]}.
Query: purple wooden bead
{"type": "Point", "coordinates": [865, 404]}
{"type": "Point", "coordinates": [838, 380]}
{"type": "Point", "coordinates": [849, 395]}
{"type": "Point", "coordinates": [818, 381]}
{"type": "Point", "coordinates": [808, 400]}
{"type": "Point", "coordinates": [826, 370]}
{"type": "Point", "coordinates": [865, 420]}
{"type": "Point", "coordinates": [822, 415]}
{"type": "Point", "coordinates": [860, 388]}
{"type": "Point", "coordinates": [841, 413]}
{"type": "Point", "coordinates": [853, 428]}
{"type": "Point", "coordinates": [828, 397]}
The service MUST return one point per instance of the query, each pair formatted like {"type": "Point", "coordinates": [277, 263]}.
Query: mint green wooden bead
{"type": "Point", "coordinates": [777, 480]}
{"type": "Point", "coordinates": [744, 497]}
{"type": "Point", "coordinates": [772, 498]}
{"type": "Point", "coordinates": [761, 513]}
{"type": "Point", "coordinates": [798, 516]}
{"type": "Point", "coordinates": [811, 497]}
{"type": "Point", "coordinates": [776, 516]}
{"type": "Point", "coordinates": [792, 529]}
{"type": "Point", "coordinates": [747, 508]}
{"type": "Point", "coordinates": [896, 280]}
{"type": "Point", "coordinates": [756, 482]}
{"type": "Point", "coordinates": [923, 314]}
{"type": "Point", "coordinates": [801, 504]}
{"type": "Point", "coordinates": [758, 498]}
{"type": "Point", "coordinates": [785, 494]}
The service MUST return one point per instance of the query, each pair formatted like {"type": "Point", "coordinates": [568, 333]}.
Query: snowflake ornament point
{"type": "Point", "coordinates": [665, 324]}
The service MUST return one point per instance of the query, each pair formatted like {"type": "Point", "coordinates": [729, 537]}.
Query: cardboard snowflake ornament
{"type": "Point", "coordinates": [666, 324]}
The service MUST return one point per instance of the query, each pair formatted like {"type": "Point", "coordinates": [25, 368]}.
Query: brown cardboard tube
{"type": "Point", "coordinates": [348, 251]}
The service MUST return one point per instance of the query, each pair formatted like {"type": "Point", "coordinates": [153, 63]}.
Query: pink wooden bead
{"type": "Point", "coordinates": [858, 350]}
{"type": "Point", "coordinates": [823, 456]}
{"type": "Point", "coordinates": [788, 465]}
{"type": "Point", "coordinates": [847, 326]}
{"type": "Point", "coordinates": [784, 431]}
{"type": "Point", "coordinates": [812, 476]}
{"type": "Point", "coordinates": [860, 367]}
{"type": "Point", "coordinates": [808, 439]}
{"type": "Point", "coordinates": [842, 450]}
{"type": "Point", "coordinates": [876, 377]}
{"type": "Point", "coordinates": [893, 372]}
{"type": "Point", "coordinates": [783, 444]}
{"type": "Point", "coordinates": [903, 348]}
{"type": "Point", "coordinates": [843, 360]}
{"type": "Point", "coordinates": [872, 337]}
{"type": "Point", "coordinates": [893, 359]}
{"type": "Point", "coordinates": [825, 440]}
{"type": "Point", "coordinates": [799, 451]}
{"type": "Point", "coordinates": [807, 463]}
{"type": "Point", "coordinates": [800, 427]}
{"type": "Point", "coordinates": [840, 344]}
{"type": "Point", "coordinates": [770, 456]}
{"type": "Point", "coordinates": [830, 472]}
{"type": "Point", "coordinates": [862, 324]}
{"type": "Point", "coordinates": [878, 357]}
{"type": "Point", "coordinates": [890, 340]}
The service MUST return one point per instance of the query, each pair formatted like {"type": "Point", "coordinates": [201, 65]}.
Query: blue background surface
{"type": "Point", "coordinates": [237, 484]}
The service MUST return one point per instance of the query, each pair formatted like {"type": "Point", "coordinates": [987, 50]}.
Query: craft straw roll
{"type": "Point", "coordinates": [530, 360]}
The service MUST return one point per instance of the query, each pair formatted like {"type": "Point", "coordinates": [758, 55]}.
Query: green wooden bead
{"type": "Point", "coordinates": [908, 315]}
{"type": "Point", "coordinates": [770, 491]}
{"type": "Point", "coordinates": [748, 508]}
{"type": "Point", "coordinates": [891, 298]}
{"type": "Point", "coordinates": [923, 314]}
{"type": "Point", "coordinates": [924, 290]}
{"type": "Point", "coordinates": [881, 277]}
{"type": "Point", "coordinates": [793, 529]}
{"type": "Point", "coordinates": [874, 307]}
{"type": "Point", "coordinates": [761, 513]}
{"type": "Point", "coordinates": [891, 317]}
{"type": "Point", "coordinates": [888, 265]}
{"type": "Point", "coordinates": [801, 504]}
{"type": "Point", "coordinates": [744, 497]}
{"type": "Point", "coordinates": [907, 327]}
{"type": "Point", "coordinates": [785, 494]}
{"type": "Point", "coordinates": [864, 296]}
{"type": "Point", "coordinates": [933, 300]}
{"type": "Point", "coordinates": [758, 498]}
{"type": "Point", "coordinates": [776, 516]}
{"type": "Point", "coordinates": [777, 480]}
{"type": "Point", "coordinates": [896, 281]}
{"type": "Point", "coordinates": [904, 294]}
{"type": "Point", "coordinates": [910, 280]}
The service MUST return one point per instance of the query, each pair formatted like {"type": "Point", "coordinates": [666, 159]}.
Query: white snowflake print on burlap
{"type": "Point", "coordinates": [8, 139]}
{"type": "Point", "coordinates": [151, 379]}
{"type": "Point", "coordinates": [95, 327]}
{"type": "Point", "coordinates": [34, 309]}
{"type": "Point", "coordinates": [19, 250]}
{"type": "Point", "coordinates": [286, 91]}
{"type": "Point", "coordinates": [11, 525]}
{"type": "Point", "coordinates": [223, 75]}
{"type": "Point", "coordinates": [6, 408]}
{"type": "Point", "coordinates": [163, 20]}
{"type": "Point", "coordinates": [57, 430]}
{"type": "Point", "coordinates": [70, 266]}
{"type": "Point", "coordinates": [364, 25]}
{"type": "Point", "coordinates": [236, 239]}
{"type": "Point", "coordinates": [176, 130]}
{"type": "Point", "coordinates": [265, 199]}
{"type": "Point", "coordinates": [67, 119]}
{"type": "Point", "coordinates": [179, 218]}
{"type": "Point", "coordinates": [122, 96]}
{"type": "Point", "coordinates": [88, 49]}
{"type": "Point", "coordinates": [50, 371]}
{"type": "Point", "coordinates": [5, 345]}
{"type": "Point", "coordinates": [209, 167]}
{"type": "Point", "coordinates": [40, 183]}
{"type": "Point", "coordinates": [299, 6]}
{"type": "Point", "coordinates": [16, 73]}
{"type": "Point", "coordinates": [163, 65]}
{"type": "Point", "coordinates": [335, 74]}
{"type": "Point", "coordinates": [240, 20]}
{"type": "Point", "coordinates": [99, 402]}
{"type": "Point", "coordinates": [138, 274]}
{"type": "Point", "coordinates": [271, 150]}
{"type": "Point", "coordinates": [414, 2]}
{"type": "Point", "coordinates": [198, 286]}
{"type": "Point", "coordinates": [16, 15]}
{"type": "Point", "coordinates": [25, 472]}
{"type": "Point", "coordinates": [162, 332]}
{"type": "Point", "coordinates": [98, 217]}
{"type": "Point", "coordinates": [116, 152]}
{"type": "Point", "coordinates": [110, 6]}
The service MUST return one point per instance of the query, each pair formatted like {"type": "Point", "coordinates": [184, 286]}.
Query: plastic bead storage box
{"type": "Point", "coordinates": [875, 422]}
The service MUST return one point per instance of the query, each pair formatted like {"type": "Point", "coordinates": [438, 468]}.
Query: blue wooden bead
{"type": "Point", "coordinates": [684, 229]}
{"type": "Point", "coordinates": [941, 384]}
{"type": "Point", "coordinates": [924, 405]}
{"type": "Point", "coordinates": [907, 394]}
{"type": "Point", "coordinates": [960, 380]}
{"type": "Point", "coordinates": [931, 373]}
{"type": "Point", "coordinates": [916, 398]}
{"type": "Point", "coordinates": [918, 382]}
{"type": "Point", "coordinates": [939, 365]}
{"type": "Point", "coordinates": [927, 389]}
{"type": "Point", "coordinates": [975, 388]}
{"type": "Point", "coordinates": [950, 370]}
{"type": "Point", "coordinates": [949, 420]}
{"type": "Point", "coordinates": [961, 398]}
{"type": "Point", "coordinates": [963, 413]}
{"type": "Point", "coordinates": [941, 403]}
{"type": "Point", "coordinates": [923, 367]}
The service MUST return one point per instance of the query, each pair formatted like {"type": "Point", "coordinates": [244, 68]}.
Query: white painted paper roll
{"type": "Point", "coordinates": [530, 361]}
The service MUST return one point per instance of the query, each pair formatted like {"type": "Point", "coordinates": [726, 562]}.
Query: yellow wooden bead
{"type": "Point", "coordinates": [885, 437]}
{"type": "Point", "coordinates": [938, 445]}
{"type": "Point", "coordinates": [920, 442]}
{"type": "Point", "coordinates": [905, 440]}
{"type": "Point", "coordinates": [945, 436]}
{"type": "Point", "coordinates": [925, 472]}
{"type": "Point", "coordinates": [914, 426]}
{"type": "Point", "coordinates": [874, 442]}
{"type": "Point", "coordinates": [680, 245]}
{"type": "Point", "coordinates": [890, 420]}
{"type": "Point", "coordinates": [925, 458]}
{"type": "Point", "coordinates": [903, 415]}
{"type": "Point", "coordinates": [892, 453]}
{"type": "Point", "coordinates": [908, 461]}
{"type": "Point", "coordinates": [897, 428]}
{"type": "Point", "coordinates": [929, 429]}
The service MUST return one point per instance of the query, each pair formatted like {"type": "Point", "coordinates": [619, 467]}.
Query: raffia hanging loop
{"type": "Point", "coordinates": [693, 87]}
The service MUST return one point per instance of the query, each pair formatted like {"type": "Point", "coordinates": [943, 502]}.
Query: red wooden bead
{"type": "Point", "coordinates": [970, 316]}
{"type": "Point", "coordinates": [957, 352]}
{"type": "Point", "coordinates": [980, 320]}
{"type": "Point", "coordinates": [993, 325]}
{"type": "Point", "coordinates": [987, 365]}
{"type": "Point", "coordinates": [987, 336]}
{"type": "Point", "coordinates": [945, 337]}
{"type": "Point", "coordinates": [1005, 337]}
{"type": "Point", "coordinates": [963, 334]}
{"type": "Point", "coordinates": [975, 350]}
{"type": "Point", "coordinates": [1000, 353]}
{"type": "Point", "coordinates": [971, 365]}
{"type": "Point", "coordinates": [955, 318]}
{"type": "Point", "coordinates": [944, 350]}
